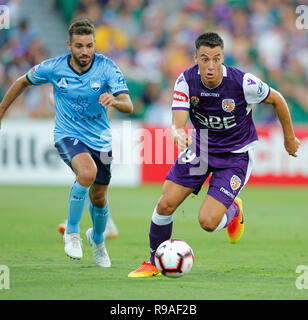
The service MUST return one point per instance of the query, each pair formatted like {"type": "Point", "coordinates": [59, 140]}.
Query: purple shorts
{"type": "Point", "coordinates": [230, 172]}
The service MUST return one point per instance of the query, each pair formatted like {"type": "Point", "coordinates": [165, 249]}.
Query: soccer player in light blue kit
{"type": "Point", "coordinates": [85, 84]}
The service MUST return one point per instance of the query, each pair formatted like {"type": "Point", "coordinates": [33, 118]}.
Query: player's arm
{"type": "Point", "coordinates": [291, 143]}
{"type": "Point", "coordinates": [122, 102]}
{"type": "Point", "coordinates": [13, 92]}
{"type": "Point", "coordinates": [179, 136]}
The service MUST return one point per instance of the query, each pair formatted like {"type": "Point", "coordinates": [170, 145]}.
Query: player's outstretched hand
{"type": "Point", "coordinates": [292, 146]}
{"type": "Point", "coordinates": [107, 100]}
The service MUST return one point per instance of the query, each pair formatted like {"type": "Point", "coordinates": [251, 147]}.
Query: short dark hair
{"type": "Point", "coordinates": [209, 39]}
{"type": "Point", "coordinates": [81, 26]}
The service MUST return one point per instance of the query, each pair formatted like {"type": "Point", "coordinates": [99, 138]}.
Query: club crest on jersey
{"type": "Point", "coordinates": [228, 105]}
{"type": "Point", "coordinates": [235, 182]}
{"type": "Point", "coordinates": [95, 84]}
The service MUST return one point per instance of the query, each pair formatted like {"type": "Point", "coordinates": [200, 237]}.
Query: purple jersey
{"type": "Point", "coordinates": [225, 111]}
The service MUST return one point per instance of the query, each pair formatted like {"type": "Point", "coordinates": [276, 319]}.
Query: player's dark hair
{"type": "Point", "coordinates": [209, 39]}
{"type": "Point", "coordinates": [81, 26]}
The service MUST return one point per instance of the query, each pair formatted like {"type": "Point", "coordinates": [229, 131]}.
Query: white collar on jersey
{"type": "Point", "coordinates": [224, 74]}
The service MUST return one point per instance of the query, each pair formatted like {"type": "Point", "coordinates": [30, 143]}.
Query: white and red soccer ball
{"type": "Point", "coordinates": [174, 258]}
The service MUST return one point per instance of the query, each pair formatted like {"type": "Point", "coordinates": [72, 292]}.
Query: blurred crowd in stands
{"type": "Point", "coordinates": [152, 41]}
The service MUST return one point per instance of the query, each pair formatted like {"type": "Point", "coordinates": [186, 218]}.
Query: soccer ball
{"type": "Point", "coordinates": [174, 258]}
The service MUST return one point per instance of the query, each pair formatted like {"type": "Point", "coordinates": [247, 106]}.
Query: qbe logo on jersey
{"type": "Point", "coordinates": [4, 17]}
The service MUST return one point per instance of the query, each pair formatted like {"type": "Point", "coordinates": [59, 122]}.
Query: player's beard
{"type": "Point", "coordinates": [80, 63]}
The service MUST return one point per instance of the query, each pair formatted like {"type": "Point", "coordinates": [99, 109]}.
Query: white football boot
{"type": "Point", "coordinates": [100, 253]}
{"type": "Point", "coordinates": [72, 245]}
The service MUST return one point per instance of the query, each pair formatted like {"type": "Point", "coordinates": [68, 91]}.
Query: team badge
{"type": "Point", "coordinates": [228, 105]}
{"type": "Point", "coordinates": [194, 101]}
{"type": "Point", "coordinates": [95, 84]}
{"type": "Point", "coordinates": [235, 182]}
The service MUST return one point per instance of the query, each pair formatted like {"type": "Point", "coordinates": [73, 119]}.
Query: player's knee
{"type": "Point", "coordinates": [165, 207]}
{"type": "Point", "coordinates": [87, 176]}
{"type": "Point", "coordinates": [208, 223]}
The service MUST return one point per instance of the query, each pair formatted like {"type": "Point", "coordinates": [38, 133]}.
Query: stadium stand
{"type": "Point", "coordinates": [151, 41]}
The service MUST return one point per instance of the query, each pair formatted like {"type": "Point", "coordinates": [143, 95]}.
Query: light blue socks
{"type": "Point", "coordinates": [77, 202]}
{"type": "Point", "coordinates": [99, 218]}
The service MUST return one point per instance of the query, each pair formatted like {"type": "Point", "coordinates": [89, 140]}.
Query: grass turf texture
{"type": "Point", "coordinates": [261, 266]}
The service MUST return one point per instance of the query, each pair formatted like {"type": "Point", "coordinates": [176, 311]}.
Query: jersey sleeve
{"type": "Point", "coordinates": [255, 90]}
{"type": "Point", "coordinates": [116, 80]}
{"type": "Point", "coordinates": [40, 73]}
{"type": "Point", "coordinates": [180, 94]}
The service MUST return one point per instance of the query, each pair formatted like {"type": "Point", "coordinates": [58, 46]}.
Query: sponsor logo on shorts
{"type": "Point", "coordinates": [228, 105]}
{"type": "Point", "coordinates": [228, 193]}
{"type": "Point", "coordinates": [180, 96]}
{"type": "Point", "coordinates": [235, 182]}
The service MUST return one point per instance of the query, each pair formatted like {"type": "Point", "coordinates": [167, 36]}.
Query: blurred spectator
{"type": "Point", "coordinates": [22, 50]}
{"type": "Point", "coordinates": [23, 35]}
{"type": "Point", "coordinates": [158, 112]}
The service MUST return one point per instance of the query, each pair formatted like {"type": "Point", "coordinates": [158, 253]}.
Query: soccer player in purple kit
{"type": "Point", "coordinates": [218, 100]}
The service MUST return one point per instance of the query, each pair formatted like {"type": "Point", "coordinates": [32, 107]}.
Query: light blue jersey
{"type": "Point", "coordinates": [77, 111]}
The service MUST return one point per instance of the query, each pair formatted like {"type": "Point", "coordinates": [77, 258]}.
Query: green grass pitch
{"type": "Point", "coordinates": [261, 266]}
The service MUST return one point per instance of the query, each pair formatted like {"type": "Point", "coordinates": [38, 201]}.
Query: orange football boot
{"type": "Point", "coordinates": [235, 229]}
{"type": "Point", "coordinates": [146, 270]}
